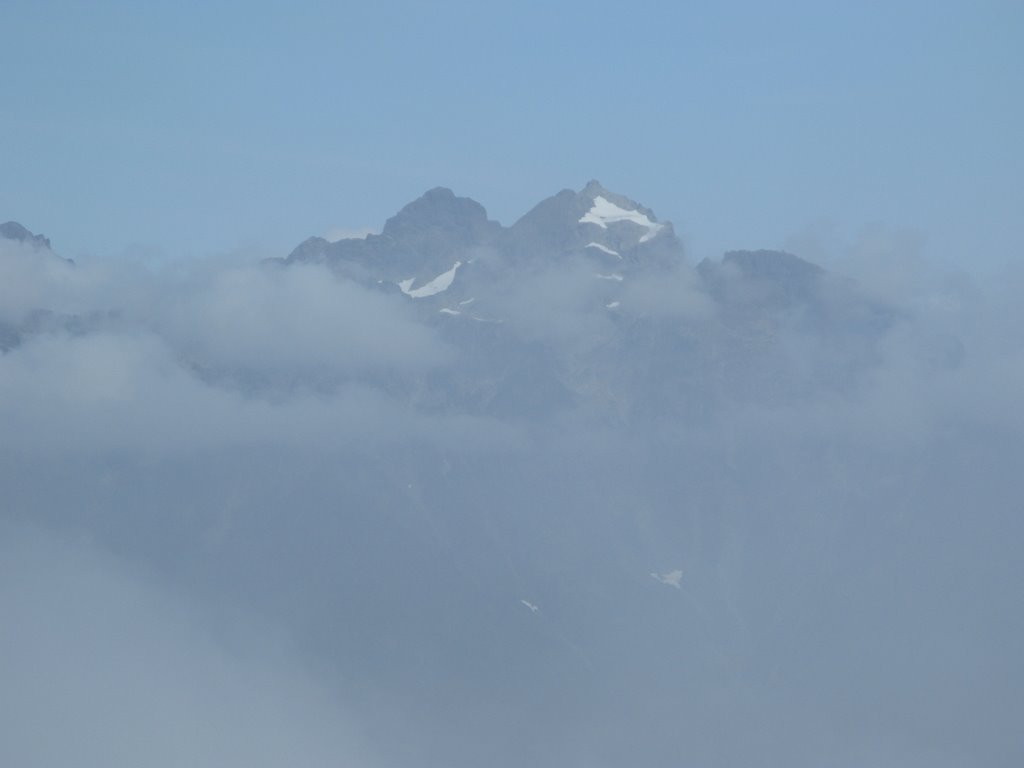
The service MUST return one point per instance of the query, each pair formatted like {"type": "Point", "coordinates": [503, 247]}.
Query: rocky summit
{"type": "Point", "coordinates": [12, 230]}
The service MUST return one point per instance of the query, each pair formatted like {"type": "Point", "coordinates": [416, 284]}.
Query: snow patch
{"type": "Point", "coordinates": [612, 305]}
{"type": "Point", "coordinates": [533, 608]}
{"type": "Point", "coordinates": [446, 311]}
{"type": "Point", "coordinates": [614, 276]}
{"type": "Point", "coordinates": [440, 283]}
{"type": "Point", "coordinates": [604, 249]}
{"type": "Point", "coordinates": [605, 212]}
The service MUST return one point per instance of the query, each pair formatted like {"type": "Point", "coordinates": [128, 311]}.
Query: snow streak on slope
{"type": "Point", "coordinates": [605, 249]}
{"type": "Point", "coordinates": [440, 283]}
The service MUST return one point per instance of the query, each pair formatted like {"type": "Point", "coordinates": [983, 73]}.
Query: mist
{"type": "Point", "coordinates": [259, 513]}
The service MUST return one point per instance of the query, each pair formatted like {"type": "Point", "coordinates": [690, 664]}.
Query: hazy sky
{"type": "Point", "coordinates": [198, 127]}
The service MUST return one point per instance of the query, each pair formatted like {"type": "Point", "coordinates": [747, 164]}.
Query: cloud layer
{"type": "Point", "coordinates": [262, 515]}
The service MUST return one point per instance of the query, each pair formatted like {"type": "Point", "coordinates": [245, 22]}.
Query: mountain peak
{"type": "Point", "coordinates": [438, 209]}
{"type": "Point", "coordinates": [12, 230]}
{"type": "Point", "coordinates": [596, 221]}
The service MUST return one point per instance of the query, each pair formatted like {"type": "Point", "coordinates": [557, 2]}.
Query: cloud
{"type": "Point", "coordinates": [670, 294]}
{"type": "Point", "coordinates": [101, 667]}
{"type": "Point", "coordinates": [122, 390]}
{"type": "Point", "coordinates": [212, 355]}
{"type": "Point", "coordinates": [32, 279]}
{"type": "Point", "coordinates": [560, 302]}
{"type": "Point", "coordinates": [381, 485]}
{"type": "Point", "coordinates": [300, 322]}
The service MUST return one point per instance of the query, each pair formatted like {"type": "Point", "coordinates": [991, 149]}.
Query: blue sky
{"type": "Point", "coordinates": [195, 128]}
